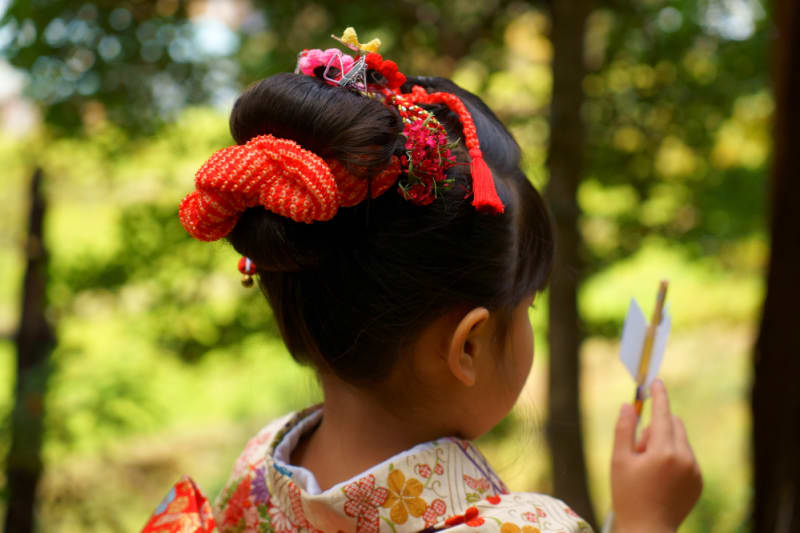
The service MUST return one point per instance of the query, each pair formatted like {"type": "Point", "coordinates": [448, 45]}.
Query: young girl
{"type": "Point", "coordinates": [400, 247]}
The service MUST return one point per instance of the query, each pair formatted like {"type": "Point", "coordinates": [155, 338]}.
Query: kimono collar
{"type": "Point", "coordinates": [412, 490]}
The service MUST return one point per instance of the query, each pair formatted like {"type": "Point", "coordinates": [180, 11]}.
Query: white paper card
{"type": "Point", "coordinates": [633, 333]}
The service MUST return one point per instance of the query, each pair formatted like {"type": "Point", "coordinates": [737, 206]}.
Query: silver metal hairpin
{"type": "Point", "coordinates": [356, 77]}
{"type": "Point", "coordinates": [332, 64]}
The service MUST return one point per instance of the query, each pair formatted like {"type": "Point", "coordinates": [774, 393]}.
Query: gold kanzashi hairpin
{"type": "Point", "coordinates": [350, 39]}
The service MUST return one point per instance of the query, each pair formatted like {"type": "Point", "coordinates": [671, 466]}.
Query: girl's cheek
{"type": "Point", "coordinates": [525, 347]}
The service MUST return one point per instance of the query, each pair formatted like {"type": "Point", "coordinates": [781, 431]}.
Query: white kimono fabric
{"type": "Point", "coordinates": [440, 485]}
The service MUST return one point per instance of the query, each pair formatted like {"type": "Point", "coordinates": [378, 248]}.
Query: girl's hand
{"type": "Point", "coordinates": [654, 482]}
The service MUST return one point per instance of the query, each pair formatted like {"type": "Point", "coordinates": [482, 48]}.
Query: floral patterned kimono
{"type": "Point", "coordinates": [439, 485]}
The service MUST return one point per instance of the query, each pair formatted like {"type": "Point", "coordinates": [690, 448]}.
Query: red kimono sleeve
{"type": "Point", "coordinates": [183, 510]}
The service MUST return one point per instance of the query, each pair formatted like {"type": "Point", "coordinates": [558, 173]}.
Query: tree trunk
{"type": "Point", "coordinates": [776, 404]}
{"type": "Point", "coordinates": [35, 340]}
{"type": "Point", "coordinates": [565, 164]}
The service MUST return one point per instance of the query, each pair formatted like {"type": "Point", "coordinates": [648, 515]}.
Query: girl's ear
{"type": "Point", "coordinates": [470, 337]}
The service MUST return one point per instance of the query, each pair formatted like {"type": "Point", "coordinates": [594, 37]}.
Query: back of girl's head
{"type": "Point", "coordinates": [351, 293]}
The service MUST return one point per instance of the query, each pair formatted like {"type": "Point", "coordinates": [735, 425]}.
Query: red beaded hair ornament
{"type": "Point", "coordinates": [248, 268]}
{"type": "Point", "coordinates": [291, 181]}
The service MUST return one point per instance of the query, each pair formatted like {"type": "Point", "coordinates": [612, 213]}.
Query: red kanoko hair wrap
{"type": "Point", "coordinates": [277, 174]}
{"type": "Point", "coordinates": [483, 190]}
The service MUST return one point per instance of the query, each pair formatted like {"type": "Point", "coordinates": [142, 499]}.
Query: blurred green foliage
{"type": "Point", "coordinates": [678, 116]}
{"type": "Point", "coordinates": [157, 338]}
{"type": "Point", "coordinates": [140, 59]}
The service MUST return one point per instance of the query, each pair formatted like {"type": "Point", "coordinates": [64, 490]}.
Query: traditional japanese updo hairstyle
{"type": "Point", "coordinates": [349, 294]}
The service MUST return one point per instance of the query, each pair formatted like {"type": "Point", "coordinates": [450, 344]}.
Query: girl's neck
{"type": "Point", "coordinates": [359, 431]}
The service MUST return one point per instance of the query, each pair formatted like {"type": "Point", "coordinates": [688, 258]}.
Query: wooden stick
{"type": "Point", "coordinates": [647, 349]}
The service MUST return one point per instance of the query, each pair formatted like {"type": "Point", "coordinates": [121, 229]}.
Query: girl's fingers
{"type": "Point", "coordinates": [662, 430]}
{"type": "Point", "coordinates": [687, 454]}
{"type": "Point", "coordinates": [681, 438]}
{"type": "Point", "coordinates": [625, 432]}
{"type": "Point", "coordinates": [641, 446]}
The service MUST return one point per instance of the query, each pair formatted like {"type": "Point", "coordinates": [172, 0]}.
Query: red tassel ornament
{"type": "Point", "coordinates": [484, 194]}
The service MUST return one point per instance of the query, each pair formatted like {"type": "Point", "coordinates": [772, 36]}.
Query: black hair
{"type": "Point", "coordinates": [350, 293]}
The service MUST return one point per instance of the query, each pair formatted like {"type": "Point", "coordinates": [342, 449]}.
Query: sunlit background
{"type": "Point", "coordinates": [165, 365]}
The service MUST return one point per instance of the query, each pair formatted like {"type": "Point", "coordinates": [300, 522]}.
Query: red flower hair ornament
{"type": "Point", "coordinates": [291, 181]}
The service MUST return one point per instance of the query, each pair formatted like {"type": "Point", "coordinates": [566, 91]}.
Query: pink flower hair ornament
{"type": "Point", "coordinates": [309, 60]}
